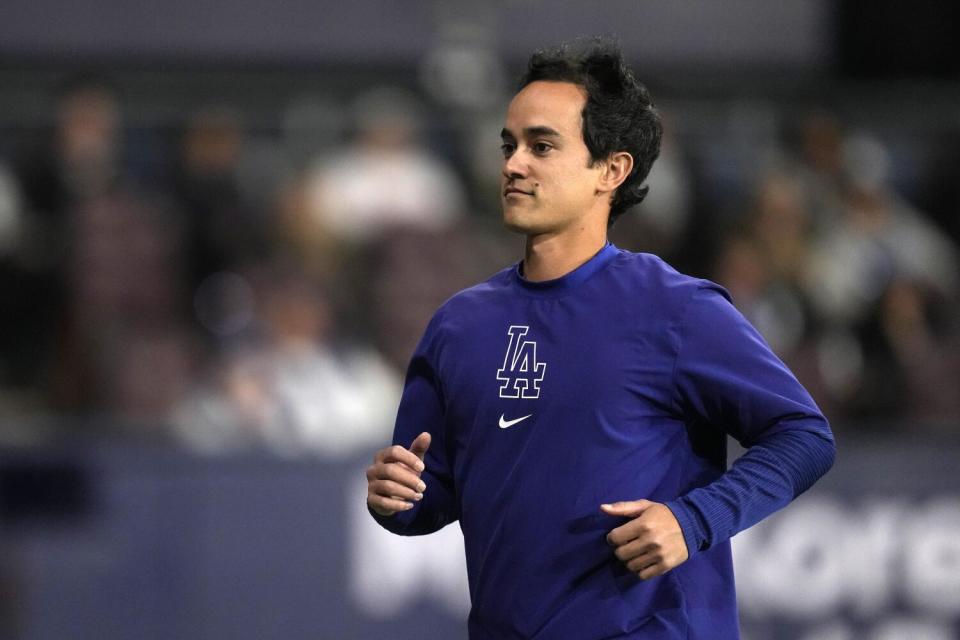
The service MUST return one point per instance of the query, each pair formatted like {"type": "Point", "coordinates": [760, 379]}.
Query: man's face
{"type": "Point", "coordinates": [548, 180]}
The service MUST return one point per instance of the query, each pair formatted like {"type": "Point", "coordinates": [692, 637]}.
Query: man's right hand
{"type": "Point", "coordinates": [393, 480]}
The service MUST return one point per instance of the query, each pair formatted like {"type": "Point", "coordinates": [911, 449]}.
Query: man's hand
{"type": "Point", "coordinates": [393, 480]}
{"type": "Point", "coordinates": [652, 542]}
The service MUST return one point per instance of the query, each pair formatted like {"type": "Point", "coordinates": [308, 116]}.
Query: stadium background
{"type": "Point", "coordinates": [224, 225]}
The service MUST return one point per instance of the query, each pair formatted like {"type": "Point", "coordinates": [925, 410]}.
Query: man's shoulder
{"type": "Point", "coordinates": [653, 277]}
{"type": "Point", "coordinates": [468, 302]}
{"type": "Point", "coordinates": [481, 293]}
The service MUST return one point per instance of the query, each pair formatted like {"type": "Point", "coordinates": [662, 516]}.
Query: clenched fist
{"type": "Point", "coordinates": [393, 480]}
{"type": "Point", "coordinates": [652, 542]}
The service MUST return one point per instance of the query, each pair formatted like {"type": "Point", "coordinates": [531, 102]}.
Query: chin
{"type": "Point", "coordinates": [515, 220]}
{"type": "Point", "coordinates": [527, 227]}
{"type": "Point", "coordinates": [515, 227]}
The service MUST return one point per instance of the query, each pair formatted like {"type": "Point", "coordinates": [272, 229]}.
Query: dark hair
{"type": "Point", "coordinates": [619, 114]}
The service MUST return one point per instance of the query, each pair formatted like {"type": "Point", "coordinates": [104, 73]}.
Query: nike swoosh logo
{"type": "Point", "coordinates": [509, 423]}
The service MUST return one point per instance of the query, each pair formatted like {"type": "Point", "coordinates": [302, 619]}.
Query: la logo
{"type": "Point", "coordinates": [521, 373]}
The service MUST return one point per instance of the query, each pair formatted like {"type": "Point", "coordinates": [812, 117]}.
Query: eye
{"type": "Point", "coordinates": [541, 147]}
{"type": "Point", "coordinates": [507, 148]}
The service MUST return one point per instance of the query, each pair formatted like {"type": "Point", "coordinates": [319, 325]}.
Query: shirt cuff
{"type": "Point", "coordinates": [692, 535]}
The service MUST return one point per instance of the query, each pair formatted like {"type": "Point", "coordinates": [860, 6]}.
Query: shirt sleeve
{"type": "Point", "coordinates": [727, 377]}
{"type": "Point", "coordinates": [422, 408]}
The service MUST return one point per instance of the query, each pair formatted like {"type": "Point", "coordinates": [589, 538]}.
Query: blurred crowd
{"type": "Point", "coordinates": [231, 288]}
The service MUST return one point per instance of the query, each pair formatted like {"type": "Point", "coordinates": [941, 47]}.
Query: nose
{"type": "Point", "coordinates": [514, 166]}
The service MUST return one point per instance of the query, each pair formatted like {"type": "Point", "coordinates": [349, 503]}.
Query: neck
{"type": "Point", "coordinates": [551, 256]}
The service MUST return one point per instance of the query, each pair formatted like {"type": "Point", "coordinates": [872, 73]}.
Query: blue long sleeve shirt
{"type": "Point", "coordinates": [618, 381]}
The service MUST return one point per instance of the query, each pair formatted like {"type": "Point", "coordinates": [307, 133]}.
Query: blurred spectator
{"type": "Point", "coordinates": [387, 177]}
{"type": "Point", "coordinates": [875, 267]}
{"type": "Point", "coordinates": [98, 260]}
{"type": "Point", "coordinates": [124, 286]}
{"type": "Point", "coordinates": [763, 263]}
{"type": "Point", "coordinates": [413, 272]}
{"type": "Point", "coordinates": [354, 198]}
{"type": "Point", "coordinates": [783, 226]}
{"type": "Point", "coordinates": [921, 331]}
{"type": "Point", "coordinates": [84, 157]}
{"type": "Point", "coordinates": [297, 234]}
{"type": "Point", "coordinates": [222, 229]}
{"type": "Point", "coordinates": [911, 359]}
{"type": "Point", "coordinates": [79, 159]}
{"type": "Point", "coordinates": [839, 275]}
{"type": "Point", "coordinates": [292, 387]}
{"type": "Point", "coordinates": [819, 163]}
{"type": "Point", "coordinates": [874, 238]}
{"type": "Point", "coordinates": [771, 305]}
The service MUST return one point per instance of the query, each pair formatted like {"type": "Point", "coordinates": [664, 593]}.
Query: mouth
{"type": "Point", "coordinates": [514, 192]}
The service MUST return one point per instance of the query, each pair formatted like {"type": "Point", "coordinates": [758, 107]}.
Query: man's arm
{"type": "Point", "coordinates": [410, 491]}
{"type": "Point", "coordinates": [727, 377]}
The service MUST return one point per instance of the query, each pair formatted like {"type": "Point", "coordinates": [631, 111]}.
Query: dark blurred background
{"type": "Point", "coordinates": [223, 227]}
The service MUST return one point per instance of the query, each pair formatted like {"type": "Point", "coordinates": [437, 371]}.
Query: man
{"type": "Point", "coordinates": [572, 411]}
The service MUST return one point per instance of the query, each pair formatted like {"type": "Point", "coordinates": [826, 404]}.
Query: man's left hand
{"type": "Point", "coordinates": [651, 543]}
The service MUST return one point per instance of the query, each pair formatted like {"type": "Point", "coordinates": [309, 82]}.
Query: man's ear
{"type": "Point", "coordinates": [616, 169]}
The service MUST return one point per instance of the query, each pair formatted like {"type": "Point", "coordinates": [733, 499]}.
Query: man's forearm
{"type": "Point", "coordinates": [766, 478]}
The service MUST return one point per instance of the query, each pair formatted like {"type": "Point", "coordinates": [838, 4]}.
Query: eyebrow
{"type": "Point", "coordinates": [531, 132]}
